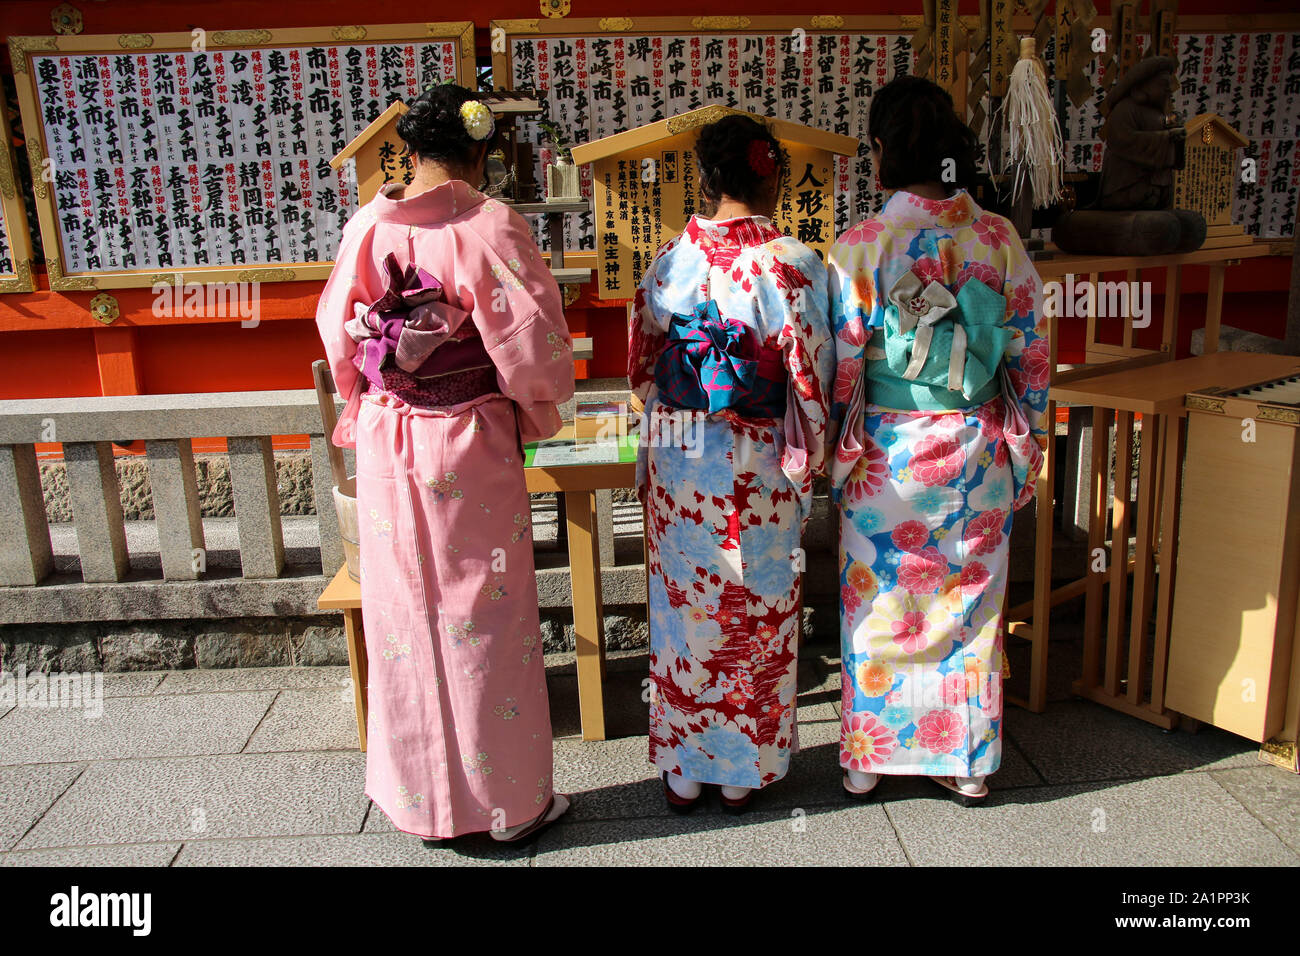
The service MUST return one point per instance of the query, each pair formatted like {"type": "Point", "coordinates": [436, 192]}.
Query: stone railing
{"type": "Point", "coordinates": [108, 589]}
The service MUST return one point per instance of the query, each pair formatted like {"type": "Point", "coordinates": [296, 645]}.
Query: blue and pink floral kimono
{"type": "Point", "coordinates": [728, 490]}
{"type": "Point", "coordinates": [927, 496]}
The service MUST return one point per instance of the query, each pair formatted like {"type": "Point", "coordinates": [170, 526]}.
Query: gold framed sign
{"type": "Point", "coordinates": [207, 153]}
{"type": "Point", "coordinates": [15, 240]}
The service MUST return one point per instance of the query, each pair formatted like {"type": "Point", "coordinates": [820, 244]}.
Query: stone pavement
{"type": "Point", "coordinates": [260, 766]}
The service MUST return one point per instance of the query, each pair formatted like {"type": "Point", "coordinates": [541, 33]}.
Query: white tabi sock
{"type": "Point", "coordinates": [862, 782]}
{"type": "Point", "coordinates": [970, 784]}
{"type": "Point", "coordinates": [735, 793]}
{"type": "Point", "coordinates": [686, 789]}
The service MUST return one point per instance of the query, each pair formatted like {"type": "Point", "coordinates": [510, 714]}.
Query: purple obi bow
{"type": "Point", "coordinates": [714, 363]}
{"type": "Point", "coordinates": [412, 327]}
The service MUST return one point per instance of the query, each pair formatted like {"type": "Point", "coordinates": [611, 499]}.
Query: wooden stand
{"type": "Point", "coordinates": [1157, 394]}
{"type": "Point", "coordinates": [578, 484]}
{"type": "Point", "coordinates": [1031, 620]}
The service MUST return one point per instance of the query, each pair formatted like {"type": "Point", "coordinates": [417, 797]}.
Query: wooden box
{"type": "Point", "coordinates": [1234, 646]}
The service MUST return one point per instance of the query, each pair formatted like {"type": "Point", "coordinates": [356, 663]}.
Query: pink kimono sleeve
{"type": "Point", "coordinates": [1029, 363]}
{"type": "Point", "coordinates": [346, 288]}
{"type": "Point", "coordinates": [519, 312]}
{"type": "Point", "coordinates": [805, 338]}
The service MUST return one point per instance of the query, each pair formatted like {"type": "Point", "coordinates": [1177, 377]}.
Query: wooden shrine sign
{"type": "Point", "coordinates": [1207, 182]}
{"type": "Point", "coordinates": [646, 187]}
{"type": "Point", "coordinates": [379, 154]}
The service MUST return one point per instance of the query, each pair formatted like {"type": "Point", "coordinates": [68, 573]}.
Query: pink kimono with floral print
{"type": "Point", "coordinates": [459, 730]}
{"type": "Point", "coordinates": [927, 497]}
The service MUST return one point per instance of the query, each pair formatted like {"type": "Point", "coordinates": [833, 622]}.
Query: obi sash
{"type": "Point", "coordinates": [412, 342]}
{"type": "Point", "coordinates": [710, 363]}
{"type": "Point", "coordinates": [941, 352]}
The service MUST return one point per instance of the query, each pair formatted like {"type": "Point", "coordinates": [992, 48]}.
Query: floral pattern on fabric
{"type": "Point", "coordinates": [726, 499]}
{"type": "Point", "coordinates": [927, 499]}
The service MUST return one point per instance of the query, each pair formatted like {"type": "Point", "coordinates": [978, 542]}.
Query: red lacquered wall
{"type": "Point", "coordinates": [51, 347]}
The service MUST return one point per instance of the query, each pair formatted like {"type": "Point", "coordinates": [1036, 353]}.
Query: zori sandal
{"type": "Point", "coordinates": [964, 797]}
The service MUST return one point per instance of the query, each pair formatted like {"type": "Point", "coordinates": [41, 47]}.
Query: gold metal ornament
{"type": "Point", "coordinates": [66, 20]}
{"type": "Point", "coordinates": [240, 37]}
{"type": "Point", "coordinates": [555, 9]}
{"type": "Point", "coordinates": [571, 293]}
{"type": "Point", "coordinates": [827, 23]}
{"type": "Point", "coordinates": [518, 26]}
{"type": "Point", "coordinates": [1204, 404]}
{"type": "Point", "coordinates": [266, 275]}
{"type": "Point", "coordinates": [349, 33]}
{"type": "Point", "coordinates": [616, 24]}
{"type": "Point", "coordinates": [103, 308]}
{"type": "Point", "coordinates": [21, 281]}
{"type": "Point", "coordinates": [135, 41]}
{"type": "Point", "coordinates": [64, 283]}
{"type": "Point", "coordinates": [19, 47]}
{"type": "Point", "coordinates": [720, 23]}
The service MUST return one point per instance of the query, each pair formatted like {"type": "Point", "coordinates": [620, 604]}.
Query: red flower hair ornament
{"type": "Point", "coordinates": [762, 158]}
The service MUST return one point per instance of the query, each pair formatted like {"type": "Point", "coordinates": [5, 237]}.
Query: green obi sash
{"type": "Point", "coordinates": [941, 352]}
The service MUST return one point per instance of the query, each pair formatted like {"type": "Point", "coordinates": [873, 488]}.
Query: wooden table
{"type": "Point", "coordinates": [1154, 388]}
{"type": "Point", "coordinates": [344, 594]}
{"type": "Point", "coordinates": [578, 484]}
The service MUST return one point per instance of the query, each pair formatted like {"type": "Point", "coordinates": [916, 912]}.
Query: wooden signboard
{"type": "Point", "coordinates": [378, 153]}
{"type": "Point", "coordinates": [205, 153]}
{"type": "Point", "coordinates": [1208, 179]}
{"type": "Point", "coordinates": [646, 187]}
{"type": "Point", "coordinates": [15, 242]}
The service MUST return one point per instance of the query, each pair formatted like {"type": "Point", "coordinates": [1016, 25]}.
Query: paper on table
{"type": "Point", "coordinates": [553, 453]}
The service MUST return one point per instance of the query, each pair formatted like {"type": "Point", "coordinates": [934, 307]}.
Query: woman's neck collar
{"type": "Point", "coordinates": [930, 190]}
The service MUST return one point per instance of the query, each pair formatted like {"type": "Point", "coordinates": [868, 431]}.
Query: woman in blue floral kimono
{"type": "Point", "coordinates": [936, 312]}
{"type": "Point", "coordinates": [730, 353]}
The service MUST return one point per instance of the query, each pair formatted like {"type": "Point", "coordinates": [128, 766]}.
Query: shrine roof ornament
{"type": "Point", "coordinates": [380, 122]}
{"type": "Point", "coordinates": [784, 130]}
{"type": "Point", "coordinates": [1201, 128]}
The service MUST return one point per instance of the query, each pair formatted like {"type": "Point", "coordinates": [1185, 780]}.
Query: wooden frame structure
{"type": "Point", "coordinates": [23, 48]}
{"type": "Point", "coordinates": [1157, 487]}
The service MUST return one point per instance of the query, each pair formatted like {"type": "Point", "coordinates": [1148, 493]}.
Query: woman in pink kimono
{"type": "Point", "coordinates": [942, 390]}
{"type": "Point", "coordinates": [446, 330]}
{"type": "Point", "coordinates": [731, 355]}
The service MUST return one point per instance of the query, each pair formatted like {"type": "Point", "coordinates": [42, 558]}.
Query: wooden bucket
{"type": "Point", "coordinates": [345, 506]}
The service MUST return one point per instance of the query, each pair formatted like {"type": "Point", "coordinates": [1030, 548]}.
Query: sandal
{"type": "Point", "coordinates": [533, 830]}
{"type": "Point", "coordinates": [860, 796]}
{"type": "Point", "coordinates": [961, 796]}
{"type": "Point", "coordinates": [735, 807]}
{"type": "Point", "coordinates": [676, 802]}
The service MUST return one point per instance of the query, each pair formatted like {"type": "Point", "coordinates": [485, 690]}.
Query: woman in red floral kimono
{"type": "Point", "coordinates": [730, 352]}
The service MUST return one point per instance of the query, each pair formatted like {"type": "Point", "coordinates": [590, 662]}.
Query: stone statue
{"type": "Point", "coordinates": [1144, 141]}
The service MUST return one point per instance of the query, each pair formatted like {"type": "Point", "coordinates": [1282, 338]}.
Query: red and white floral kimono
{"type": "Point", "coordinates": [926, 497]}
{"type": "Point", "coordinates": [459, 729]}
{"type": "Point", "coordinates": [727, 498]}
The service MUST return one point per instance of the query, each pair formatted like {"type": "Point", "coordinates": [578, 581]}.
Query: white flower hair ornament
{"type": "Point", "coordinates": [477, 119]}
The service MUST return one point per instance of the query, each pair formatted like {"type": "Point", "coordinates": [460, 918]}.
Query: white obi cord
{"type": "Point", "coordinates": [920, 307]}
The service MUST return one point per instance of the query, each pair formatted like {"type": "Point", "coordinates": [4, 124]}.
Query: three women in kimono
{"type": "Point", "coordinates": [446, 330]}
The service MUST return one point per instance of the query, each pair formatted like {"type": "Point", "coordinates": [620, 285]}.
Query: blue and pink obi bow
{"type": "Point", "coordinates": [414, 328]}
{"type": "Point", "coordinates": [711, 363]}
